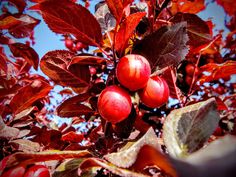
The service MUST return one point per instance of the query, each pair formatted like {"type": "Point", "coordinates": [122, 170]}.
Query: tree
{"type": "Point", "coordinates": [188, 64]}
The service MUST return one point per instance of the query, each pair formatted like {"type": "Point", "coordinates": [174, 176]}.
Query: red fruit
{"type": "Point", "coordinates": [188, 80]}
{"type": "Point", "coordinates": [92, 70]}
{"type": "Point", "coordinates": [14, 172]}
{"type": "Point", "coordinates": [114, 104]}
{"type": "Point", "coordinates": [133, 71]}
{"type": "Point", "coordinates": [37, 171]}
{"type": "Point", "coordinates": [189, 69]}
{"type": "Point", "coordinates": [79, 46]}
{"type": "Point", "coordinates": [69, 43]}
{"type": "Point", "coordinates": [156, 92]}
{"type": "Point", "coordinates": [220, 90]}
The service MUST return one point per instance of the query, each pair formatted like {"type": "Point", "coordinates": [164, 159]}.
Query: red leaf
{"type": "Point", "coordinates": [7, 132]}
{"type": "Point", "coordinates": [87, 60]}
{"type": "Point", "coordinates": [55, 65]}
{"type": "Point", "coordinates": [116, 7]}
{"type": "Point", "coordinates": [169, 75]}
{"type": "Point", "coordinates": [218, 71]}
{"type": "Point", "coordinates": [220, 104]}
{"type": "Point", "coordinates": [72, 106]}
{"type": "Point", "coordinates": [198, 30]}
{"type": "Point", "coordinates": [72, 137]}
{"type": "Point", "coordinates": [19, 26]}
{"type": "Point", "coordinates": [3, 61]}
{"type": "Point", "coordinates": [126, 30]}
{"type": "Point", "coordinates": [27, 95]}
{"type": "Point", "coordinates": [20, 4]}
{"type": "Point", "coordinates": [26, 52]}
{"type": "Point", "coordinates": [228, 5]}
{"type": "Point", "coordinates": [67, 17]}
{"type": "Point", "coordinates": [192, 6]}
{"type": "Point", "coordinates": [165, 47]}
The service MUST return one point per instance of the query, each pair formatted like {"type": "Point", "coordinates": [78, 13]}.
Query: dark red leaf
{"type": "Point", "coordinates": [27, 95]}
{"type": "Point", "coordinates": [26, 52]}
{"type": "Point", "coordinates": [198, 30]}
{"type": "Point", "coordinates": [72, 137]}
{"type": "Point", "coordinates": [87, 60]}
{"type": "Point", "coordinates": [19, 26]}
{"type": "Point", "coordinates": [67, 17]}
{"type": "Point", "coordinates": [73, 107]}
{"type": "Point", "coordinates": [25, 28]}
{"type": "Point", "coordinates": [169, 75]}
{"type": "Point", "coordinates": [217, 71]}
{"type": "Point", "coordinates": [220, 104]}
{"type": "Point", "coordinates": [126, 30]}
{"type": "Point", "coordinates": [55, 65]}
{"type": "Point", "coordinates": [165, 47]}
{"type": "Point", "coordinates": [228, 5]}
{"type": "Point", "coordinates": [3, 61]}
{"type": "Point", "coordinates": [20, 4]}
{"type": "Point", "coordinates": [116, 7]}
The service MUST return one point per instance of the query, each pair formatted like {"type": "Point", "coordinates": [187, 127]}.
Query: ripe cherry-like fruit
{"type": "Point", "coordinates": [37, 171]}
{"type": "Point", "coordinates": [189, 68]}
{"type": "Point", "coordinates": [188, 80]}
{"type": "Point", "coordinates": [133, 71]}
{"type": "Point", "coordinates": [69, 43]}
{"type": "Point", "coordinates": [114, 104]}
{"type": "Point", "coordinates": [155, 93]}
{"type": "Point", "coordinates": [14, 172]}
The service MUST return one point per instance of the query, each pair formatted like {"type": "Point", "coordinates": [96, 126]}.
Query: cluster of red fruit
{"type": "Point", "coordinates": [134, 73]}
{"type": "Point", "coordinates": [33, 171]}
{"type": "Point", "coordinates": [74, 46]}
{"type": "Point", "coordinates": [190, 69]}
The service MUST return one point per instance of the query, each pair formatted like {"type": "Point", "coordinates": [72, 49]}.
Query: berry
{"type": "Point", "coordinates": [37, 171]}
{"type": "Point", "coordinates": [133, 71]}
{"type": "Point", "coordinates": [114, 104]}
{"type": "Point", "coordinates": [220, 90]}
{"type": "Point", "coordinates": [189, 69]}
{"type": "Point", "coordinates": [92, 70]}
{"type": "Point", "coordinates": [188, 80]}
{"type": "Point", "coordinates": [79, 46]}
{"type": "Point", "coordinates": [15, 171]}
{"type": "Point", "coordinates": [69, 43]}
{"type": "Point", "coordinates": [156, 92]}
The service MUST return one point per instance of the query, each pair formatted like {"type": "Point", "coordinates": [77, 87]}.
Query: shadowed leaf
{"type": "Point", "coordinates": [20, 4]}
{"type": "Point", "coordinates": [72, 137]}
{"type": "Point", "coordinates": [198, 30]}
{"type": "Point", "coordinates": [3, 60]}
{"type": "Point", "coordinates": [186, 129]}
{"type": "Point", "coordinates": [7, 132]}
{"type": "Point", "coordinates": [95, 162]}
{"type": "Point", "coordinates": [26, 52]}
{"type": "Point", "coordinates": [165, 47]}
{"type": "Point", "coordinates": [67, 17]}
{"type": "Point", "coordinates": [87, 60]}
{"type": "Point", "coordinates": [193, 6]}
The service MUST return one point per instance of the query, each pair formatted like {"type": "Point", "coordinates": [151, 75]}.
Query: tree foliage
{"type": "Point", "coordinates": [165, 141]}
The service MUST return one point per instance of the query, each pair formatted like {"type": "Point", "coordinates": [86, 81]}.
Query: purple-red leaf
{"type": "Point", "coordinates": [72, 137]}
{"type": "Point", "coordinates": [165, 47]}
{"type": "Point", "coordinates": [3, 61]}
{"type": "Point", "coordinates": [73, 107]}
{"type": "Point", "coordinates": [87, 60]}
{"type": "Point", "coordinates": [27, 95]}
{"type": "Point", "coordinates": [55, 65]}
{"type": "Point", "coordinates": [26, 52]}
{"type": "Point", "coordinates": [66, 17]}
{"type": "Point", "coordinates": [198, 30]}
{"type": "Point", "coordinates": [126, 30]}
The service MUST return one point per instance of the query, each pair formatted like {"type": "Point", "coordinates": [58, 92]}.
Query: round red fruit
{"type": "Point", "coordinates": [69, 43]}
{"type": "Point", "coordinates": [15, 171]}
{"type": "Point", "coordinates": [156, 92]}
{"type": "Point", "coordinates": [133, 71]}
{"type": "Point", "coordinates": [114, 104]}
{"type": "Point", "coordinates": [37, 171]}
{"type": "Point", "coordinates": [189, 69]}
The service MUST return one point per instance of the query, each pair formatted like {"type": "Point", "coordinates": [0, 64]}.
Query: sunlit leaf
{"type": "Point", "coordinates": [25, 145]}
{"type": "Point", "coordinates": [27, 95]}
{"type": "Point", "coordinates": [66, 17]}
{"type": "Point", "coordinates": [126, 30]}
{"type": "Point", "coordinates": [7, 132]}
{"type": "Point", "coordinates": [216, 71]}
{"type": "Point", "coordinates": [193, 6]}
{"type": "Point", "coordinates": [72, 137]}
{"type": "Point", "coordinates": [165, 47]}
{"type": "Point", "coordinates": [55, 65]}
{"type": "Point", "coordinates": [187, 129]}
